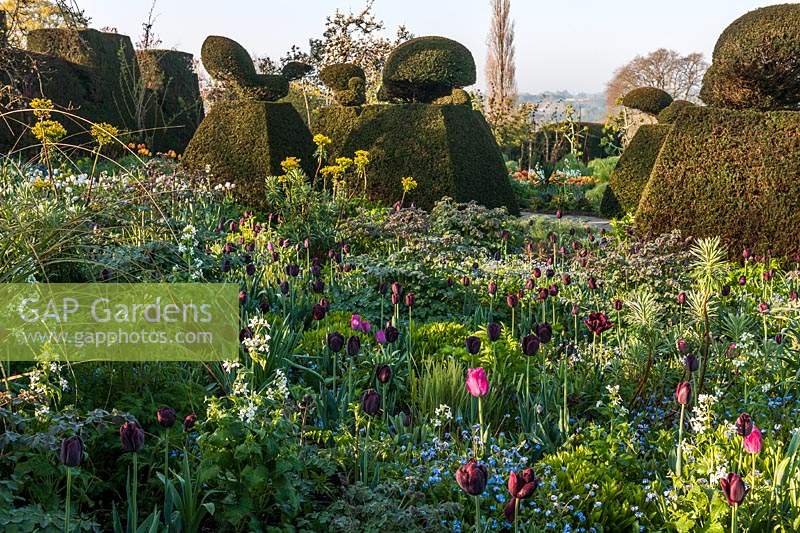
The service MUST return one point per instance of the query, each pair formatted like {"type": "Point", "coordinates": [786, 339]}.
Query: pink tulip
{"type": "Point", "coordinates": [477, 384]}
{"type": "Point", "coordinates": [753, 442]}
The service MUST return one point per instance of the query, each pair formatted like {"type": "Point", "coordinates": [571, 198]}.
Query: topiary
{"type": "Point", "coordinates": [294, 70]}
{"type": "Point", "coordinates": [347, 81]}
{"type": "Point", "coordinates": [647, 99]}
{"type": "Point", "coordinates": [756, 62]}
{"type": "Point", "coordinates": [669, 114]}
{"type": "Point", "coordinates": [448, 149]}
{"type": "Point", "coordinates": [227, 61]}
{"type": "Point", "coordinates": [632, 172]}
{"type": "Point", "coordinates": [243, 141]}
{"type": "Point", "coordinates": [609, 205]}
{"type": "Point", "coordinates": [457, 97]}
{"type": "Point", "coordinates": [728, 173]}
{"type": "Point", "coordinates": [427, 68]}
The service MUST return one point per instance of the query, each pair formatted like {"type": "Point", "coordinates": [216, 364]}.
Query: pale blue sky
{"type": "Point", "coordinates": [567, 44]}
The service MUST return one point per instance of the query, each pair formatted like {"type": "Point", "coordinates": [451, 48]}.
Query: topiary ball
{"type": "Point", "coordinates": [756, 62]}
{"type": "Point", "coordinates": [337, 77]}
{"type": "Point", "coordinates": [227, 61]}
{"type": "Point", "coordinates": [294, 70]}
{"type": "Point", "coordinates": [669, 114]}
{"type": "Point", "coordinates": [427, 68]}
{"type": "Point", "coordinates": [647, 99]}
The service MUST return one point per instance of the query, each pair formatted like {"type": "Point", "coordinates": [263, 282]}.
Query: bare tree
{"type": "Point", "coordinates": [500, 68]}
{"type": "Point", "coordinates": [149, 39]}
{"type": "Point", "coordinates": [681, 76]}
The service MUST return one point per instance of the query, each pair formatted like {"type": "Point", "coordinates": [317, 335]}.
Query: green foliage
{"type": "Point", "coordinates": [633, 169]}
{"type": "Point", "coordinates": [244, 141]}
{"type": "Point", "coordinates": [727, 173]}
{"type": "Point", "coordinates": [347, 81]}
{"type": "Point", "coordinates": [670, 114]}
{"type": "Point", "coordinates": [552, 143]}
{"type": "Point", "coordinates": [426, 68]}
{"type": "Point", "coordinates": [448, 149]}
{"type": "Point", "coordinates": [647, 99]}
{"type": "Point", "coordinates": [295, 70]}
{"type": "Point", "coordinates": [603, 168]}
{"type": "Point", "coordinates": [227, 61]}
{"type": "Point", "coordinates": [755, 62]}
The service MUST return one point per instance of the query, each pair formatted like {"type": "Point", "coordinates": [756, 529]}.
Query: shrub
{"type": "Point", "coordinates": [755, 62]}
{"type": "Point", "coordinates": [550, 144]}
{"type": "Point", "coordinates": [173, 101]}
{"type": "Point", "coordinates": [728, 173]}
{"type": "Point", "coordinates": [347, 81]}
{"type": "Point", "coordinates": [633, 169]}
{"type": "Point", "coordinates": [448, 149]}
{"type": "Point", "coordinates": [244, 141]}
{"type": "Point", "coordinates": [647, 99]}
{"type": "Point", "coordinates": [609, 204]}
{"type": "Point", "coordinates": [669, 114]}
{"type": "Point", "coordinates": [427, 68]}
{"type": "Point", "coordinates": [228, 61]}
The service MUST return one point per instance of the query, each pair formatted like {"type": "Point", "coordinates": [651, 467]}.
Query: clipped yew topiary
{"type": "Point", "coordinates": [728, 173]}
{"type": "Point", "coordinates": [174, 107]}
{"type": "Point", "coordinates": [227, 61]}
{"type": "Point", "coordinates": [347, 81]}
{"type": "Point", "coordinates": [632, 172]}
{"type": "Point", "coordinates": [427, 68]}
{"type": "Point", "coordinates": [243, 141]}
{"type": "Point", "coordinates": [649, 100]}
{"type": "Point", "coordinates": [294, 70]}
{"type": "Point", "coordinates": [448, 149]}
{"type": "Point", "coordinates": [756, 62]}
{"type": "Point", "coordinates": [669, 114]}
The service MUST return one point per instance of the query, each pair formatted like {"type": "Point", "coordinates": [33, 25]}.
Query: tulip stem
{"type": "Point", "coordinates": [480, 422]}
{"type": "Point", "coordinates": [134, 514]}
{"type": "Point", "coordinates": [679, 459]}
{"type": "Point", "coordinates": [166, 455]}
{"type": "Point", "coordinates": [477, 513]}
{"type": "Point", "coordinates": [67, 502]}
{"type": "Point", "coordinates": [516, 515]}
{"type": "Point", "coordinates": [734, 518]}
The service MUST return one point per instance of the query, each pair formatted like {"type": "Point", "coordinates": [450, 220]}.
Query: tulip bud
{"type": "Point", "coordinates": [410, 299]}
{"type": "Point", "coordinates": [71, 453]}
{"type": "Point", "coordinates": [465, 281]}
{"type": "Point", "coordinates": [472, 477]}
{"type": "Point", "coordinates": [683, 392]}
{"type": "Point", "coordinates": [681, 298]}
{"type": "Point", "coordinates": [691, 362]}
{"type": "Point", "coordinates": [512, 300]}
{"type": "Point", "coordinates": [131, 437]}
{"type": "Point", "coordinates": [492, 288]}
{"type": "Point", "coordinates": [189, 422]}
{"type": "Point", "coordinates": [473, 345]}
{"type": "Point", "coordinates": [166, 417]}
{"type": "Point", "coordinates": [683, 346]}
{"type": "Point", "coordinates": [493, 331]}
{"type": "Point", "coordinates": [353, 345]}
{"type": "Point", "coordinates": [335, 341]}
{"type": "Point", "coordinates": [371, 402]}
{"type": "Point", "coordinates": [733, 488]}
{"type": "Point", "coordinates": [591, 283]}
{"type": "Point", "coordinates": [545, 332]}
{"type": "Point", "coordinates": [383, 374]}
{"type": "Point", "coordinates": [726, 290]}
{"type": "Point", "coordinates": [744, 425]}
{"type": "Point", "coordinates": [477, 384]}
{"type": "Point", "coordinates": [397, 288]}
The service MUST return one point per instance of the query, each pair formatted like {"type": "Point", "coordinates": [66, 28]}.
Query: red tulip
{"type": "Point", "coordinates": [683, 392]}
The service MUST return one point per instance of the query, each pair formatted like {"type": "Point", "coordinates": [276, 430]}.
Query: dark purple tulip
{"type": "Point", "coordinates": [371, 402]}
{"type": "Point", "coordinates": [392, 334]}
{"type": "Point", "coordinates": [245, 333]}
{"type": "Point", "coordinates": [552, 237]}
{"type": "Point", "coordinates": [292, 270]}
{"type": "Point", "coordinates": [450, 282]}
{"type": "Point", "coordinates": [742, 280]}
{"type": "Point", "coordinates": [691, 363]}
{"type": "Point", "coordinates": [683, 392]}
{"type": "Point", "coordinates": [542, 294]}
{"type": "Point", "coordinates": [250, 269]}
{"type": "Point", "coordinates": [530, 345]}
{"type": "Point", "coordinates": [537, 273]}
{"type": "Point", "coordinates": [512, 300]}
{"type": "Point", "coordinates": [473, 345]}
{"type": "Point", "coordinates": [228, 248]}
{"type": "Point", "coordinates": [733, 488]}
{"type": "Point", "coordinates": [233, 226]}
{"type": "Point", "coordinates": [71, 453]}
{"type": "Point", "coordinates": [566, 279]}
{"type": "Point", "coordinates": [545, 332]}
{"type": "Point", "coordinates": [778, 338]}
{"type": "Point", "coordinates": [597, 323]}
{"type": "Point", "coordinates": [353, 346]}
{"type": "Point", "coordinates": [383, 374]}
{"type": "Point", "coordinates": [493, 331]}
{"type": "Point", "coordinates": [591, 283]}
{"type": "Point", "coordinates": [505, 234]}
{"type": "Point", "coordinates": [166, 417]}
{"type": "Point", "coordinates": [472, 477]}
{"type": "Point", "coordinates": [530, 284]}
{"type": "Point", "coordinates": [618, 304]}
{"type": "Point", "coordinates": [395, 299]}
{"type": "Point", "coordinates": [682, 345]}
{"type": "Point", "coordinates": [553, 290]}
{"type": "Point", "coordinates": [189, 422]}
{"type": "Point", "coordinates": [131, 436]}
{"type": "Point", "coordinates": [550, 273]}
{"type": "Point", "coordinates": [318, 312]}
{"type": "Point", "coordinates": [681, 298]}
{"type": "Point", "coordinates": [465, 281]}
{"type": "Point", "coordinates": [726, 290]}
{"type": "Point", "coordinates": [335, 341]}
{"type": "Point", "coordinates": [397, 288]}
{"type": "Point", "coordinates": [744, 425]}
{"type": "Point", "coordinates": [793, 296]}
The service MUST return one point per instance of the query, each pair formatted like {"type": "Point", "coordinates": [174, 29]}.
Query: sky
{"type": "Point", "coordinates": [572, 45]}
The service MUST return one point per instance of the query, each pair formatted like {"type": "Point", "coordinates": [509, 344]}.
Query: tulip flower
{"type": "Point", "coordinates": [318, 312]}
{"type": "Point", "coordinates": [353, 345]}
{"type": "Point", "coordinates": [597, 323]}
{"type": "Point", "coordinates": [492, 288]}
{"type": "Point", "coordinates": [383, 374]}
{"type": "Point", "coordinates": [682, 394]}
{"type": "Point", "coordinates": [591, 283]}
{"type": "Point", "coordinates": [493, 331]}
{"type": "Point", "coordinates": [380, 336]}
{"type": "Point", "coordinates": [71, 455]}
{"type": "Point", "coordinates": [520, 487]}
{"type": "Point", "coordinates": [166, 417]}
{"type": "Point", "coordinates": [335, 341]}
{"type": "Point", "coordinates": [681, 298]}
{"type": "Point", "coordinates": [472, 478]}
{"type": "Point", "coordinates": [682, 345]}
{"type": "Point", "coordinates": [392, 334]}
{"type": "Point", "coordinates": [530, 345]}
{"type": "Point", "coordinates": [371, 402]}
{"type": "Point", "coordinates": [537, 273]}
{"type": "Point", "coordinates": [691, 363]}
{"type": "Point", "coordinates": [753, 442]}
{"type": "Point", "coordinates": [512, 300]}
{"type": "Point", "coordinates": [734, 489]}
{"type": "Point", "coordinates": [410, 299]}
{"type": "Point", "coordinates": [477, 383]}
{"type": "Point", "coordinates": [131, 436]}
{"type": "Point", "coordinates": [744, 425]}
{"type": "Point", "coordinates": [742, 281]}
{"type": "Point", "coordinates": [545, 332]}
{"type": "Point", "coordinates": [473, 345]}
{"type": "Point", "coordinates": [189, 422]}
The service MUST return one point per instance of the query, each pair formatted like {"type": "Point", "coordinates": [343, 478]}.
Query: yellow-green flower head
{"type": "Point", "coordinates": [361, 158]}
{"type": "Point", "coordinates": [290, 163]}
{"type": "Point", "coordinates": [409, 184]}
{"type": "Point", "coordinates": [321, 140]}
{"type": "Point", "coordinates": [344, 162]}
{"type": "Point", "coordinates": [331, 170]}
{"type": "Point", "coordinates": [104, 133]}
{"type": "Point", "coordinates": [42, 108]}
{"type": "Point", "coordinates": [48, 131]}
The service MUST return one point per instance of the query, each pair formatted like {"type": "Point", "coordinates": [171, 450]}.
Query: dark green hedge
{"type": "Point", "coordinates": [244, 141]}
{"type": "Point", "coordinates": [347, 81]}
{"type": "Point", "coordinates": [755, 62]}
{"type": "Point", "coordinates": [294, 70]}
{"type": "Point", "coordinates": [728, 173]}
{"type": "Point", "coordinates": [633, 169]}
{"type": "Point", "coordinates": [647, 99]}
{"type": "Point", "coordinates": [227, 61]}
{"type": "Point", "coordinates": [669, 114]}
{"type": "Point", "coordinates": [448, 149]}
{"type": "Point", "coordinates": [427, 68]}
{"type": "Point", "coordinates": [173, 102]}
